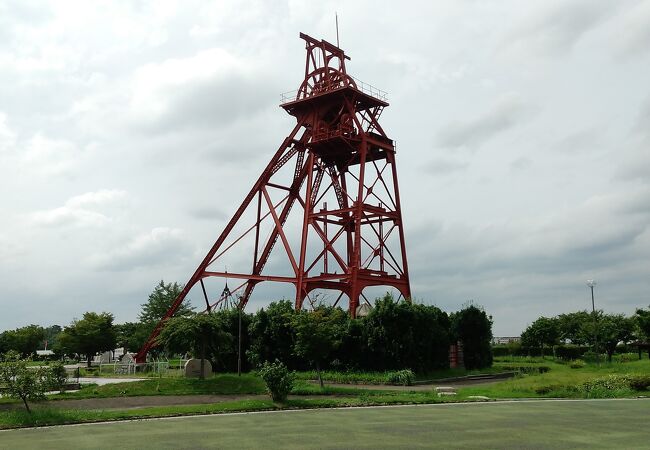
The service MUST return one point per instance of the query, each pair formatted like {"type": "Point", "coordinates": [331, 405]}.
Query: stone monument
{"type": "Point", "coordinates": [193, 368]}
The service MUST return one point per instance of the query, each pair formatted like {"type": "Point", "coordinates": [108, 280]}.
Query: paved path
{"type": "Point", "coordinates": [535, 424]}
{"type": "Point", "coordinates": [101, 381]}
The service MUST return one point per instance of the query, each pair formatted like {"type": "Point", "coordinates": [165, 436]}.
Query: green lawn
{"type": "Point", "coordinates": [560, 381]}
{"type": "Point", "coordinates": [540, 424]}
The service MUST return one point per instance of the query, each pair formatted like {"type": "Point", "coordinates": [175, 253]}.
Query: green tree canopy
{"type": "Point", "coordinates": [318, 334]}
{"type": "Point", "coordinates": [473, 327]}
{"type": "Point", "coordinates": [159, 302]}
{"type": "Point", "coordinates": [611, 330]}
{"type": "Point", "coordinates": [88, 336]}
{"type": "Point", "coordinates": [642, 318]}
{"type": "Point", "coordinates": [131, 335]}
{"type": "Point", "coordinates": [204, 335]}
{"type": "Point", "coordinates": [21, 382]}
{"type": "Point", "coordinates": [404, 335]}
{"type": "Point", "coordinates": [52, 335]}
{"type": "Point", "coordinates": [271, 334]}
{"type": "Point", "coordinates": [570, 326]}
{"type": "Point", "coordinates": [544, 332]}
{"type": "Point", "coordinates": [228, 357]}
{"type": "Point", "coordinates": [24, 340]}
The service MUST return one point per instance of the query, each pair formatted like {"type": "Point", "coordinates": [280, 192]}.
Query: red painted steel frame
{"type": "Point", "coordinates": [337, 147]}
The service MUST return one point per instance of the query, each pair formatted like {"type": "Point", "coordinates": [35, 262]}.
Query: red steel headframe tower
{"type": "Point", "coordinates": [335, 174]}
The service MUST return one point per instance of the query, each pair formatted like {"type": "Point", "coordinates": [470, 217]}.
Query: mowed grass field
{"type": "Point", "coordinates": [529, 424]}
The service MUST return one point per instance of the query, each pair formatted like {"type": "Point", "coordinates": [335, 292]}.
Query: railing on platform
{"type": "Point", "coordinates": [368, 89]}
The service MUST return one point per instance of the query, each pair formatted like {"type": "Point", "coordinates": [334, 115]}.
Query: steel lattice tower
{"type": "Point", "coordinates": [335, 174]}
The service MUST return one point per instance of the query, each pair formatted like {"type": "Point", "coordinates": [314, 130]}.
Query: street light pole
{"type": "Point", "coordinates": [591, 284]}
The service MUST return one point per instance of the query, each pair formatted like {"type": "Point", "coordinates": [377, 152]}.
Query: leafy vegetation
{"type": "Point", "coordinates": [473, 327]}
{"type": "Point", "coordinates": [278, 380]}
{"type": "Point", "coordinates": [24, 383]}
{"type": "Point", "coordinates": [202, 334]}
{"type": "Point", "coordinates": [318, 334]}
{"type": "Point", "coordinates": [88, 336]}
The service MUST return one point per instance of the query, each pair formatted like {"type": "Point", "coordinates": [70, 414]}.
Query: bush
{"type": "Point", "coordinates": [57, 377]}
{"type": "Point", "coordinates": [400, 377]}
{"type": "Point", "coordinates": [577, 364]}
{"type": "Point", "coordinates": [527, 370]}
{"type": "Point", "coordinates": [511, 349]}
{"type": "Point", "coordinates": [592, 357]}
{"type": "Point", "coordinates": [626, 357]}
{"type": "Point", "coordinates": [278, 379]}
{"type": "Point", "coordinates": [569, 352]}
{"type": "Point", "coordinates": [600, 387]}
{"type": "Point", "coordinates": [640, 382]}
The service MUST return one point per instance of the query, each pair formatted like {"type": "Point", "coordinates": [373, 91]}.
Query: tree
{"type": "Point", "coordinates": [159, 302]}
{"type": "Point", "coordinates": [131, 335]}
{"type": "Point", "coordinates": [25, 340]}
{"type": "Point", "coordinates": [473, 327]}
{"type": "Point", "coordinates": [51, 335]}
{"type": "Point", "coordinates": [88, 336]}
{"type": "Point", "coordinates": [404, 335]}
{"type": "Point", "coordinates": [570, 325]}
{"type": "Point", "coordinates": [272, 336]}
{"type": "Point", "coordinates": [542, 332]}
{"type": "Point", "coordinates": [318, 333]}
{"type": "Point", "coordinates": [202, 334]}
{"type": "Point", "coordinates": [642, 318]}
{"type": "Point", "coordinates": [612, 329]}
{"type": "Point", "coordinates": [21, 382]}
{"type": "Point", "coordinates": [230, 320]}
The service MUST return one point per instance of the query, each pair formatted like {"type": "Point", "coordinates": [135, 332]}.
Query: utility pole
{"type": "Point", "coordinates": [591, 284]}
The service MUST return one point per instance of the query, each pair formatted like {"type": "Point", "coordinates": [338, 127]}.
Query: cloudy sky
{"type": "Point", "coordinates": [130, 132]}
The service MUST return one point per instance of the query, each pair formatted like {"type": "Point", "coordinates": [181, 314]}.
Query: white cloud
{"type": "Point", "coordinates": [50, 156]}
{"type": "Point", "coordinates": [85, 210]}
{"type": "Point", "coordinates": [7, 136]}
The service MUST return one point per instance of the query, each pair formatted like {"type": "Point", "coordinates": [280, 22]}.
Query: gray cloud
{"type": "Point", "coordinates": [159, 247]}
{"type": "Point", "coordinates": [473, 133]}
{"type": "Point", "coordinates": [208, 213]}
{"type": "Point", "coordinates": [444, 166]}
{"type": "Point", "coordinates": [556, 27]}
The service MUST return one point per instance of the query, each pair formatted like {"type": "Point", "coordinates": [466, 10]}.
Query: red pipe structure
{"type": "Point", "coordinates": [337, 152]}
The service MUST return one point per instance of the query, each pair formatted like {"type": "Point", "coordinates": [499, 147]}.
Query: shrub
{"type": "Point", "coordinates": [577, 364]}
{"type": "Point", "coordinates": [526, 369]}
{"type": "Point", "coordinates": [626, 357]}
{"type": "Point", "coordinates": [640, 382]}
{"type": "Point", "coordinates": [400, 377]}
{"type": "Point", "coordinates": [570, 352]}
{"type": "Point", "coordinates": [591, 357]}
{"type": "Point", "coordinates": [602, 387]}
{"type": "Point", "coordinates": [278, 379]}
{"type": "Point", "coordinates": [57, 377]}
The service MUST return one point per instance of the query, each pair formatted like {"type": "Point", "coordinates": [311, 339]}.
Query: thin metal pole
{"type": "Point", "coordinates": [593, 312]}
{"type": "Point", "coordinates": [239, 345]}
{"type": "Point", "coordinates": [336, 15]}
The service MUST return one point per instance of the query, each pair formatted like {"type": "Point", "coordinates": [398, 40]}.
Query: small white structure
{"type": "Point", "coordinates": [44, 353]}
{"type": "Point", "coordinates": [363, 310]}
{"type": "Point", "coordinates": [193, 368]}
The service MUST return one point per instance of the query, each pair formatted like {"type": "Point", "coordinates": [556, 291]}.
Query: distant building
{"type": "Point", "coordinates": [502, 340]}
